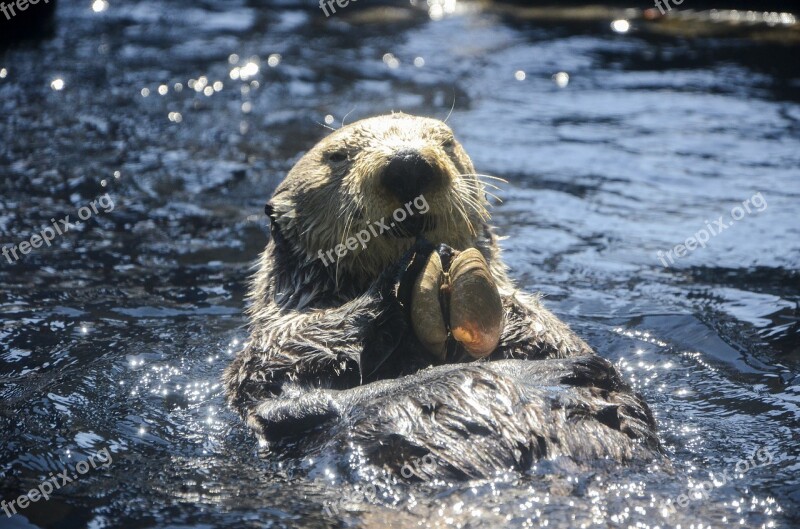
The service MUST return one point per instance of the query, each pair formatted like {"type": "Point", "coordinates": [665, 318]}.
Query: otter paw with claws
{"type": "Point", "coordinates": [455, 298]}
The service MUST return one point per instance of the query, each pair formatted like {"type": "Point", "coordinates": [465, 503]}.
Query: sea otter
{"type": "Point", "coordinates": [402, 335]}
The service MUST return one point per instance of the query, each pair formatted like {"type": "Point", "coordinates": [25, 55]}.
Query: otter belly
{"type": "Point", "coordinates": [470, 420]}
{"type": "Point", "coordinates": [381, 263]}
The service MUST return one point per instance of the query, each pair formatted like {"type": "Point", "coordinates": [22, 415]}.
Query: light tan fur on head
{"type": "Point", "coordinates": [334, 191]}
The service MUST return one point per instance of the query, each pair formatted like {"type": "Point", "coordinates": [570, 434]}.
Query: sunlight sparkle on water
{"type": "Point", "coordinates": [561, 79]}
{"type": "Point", "coordinates": [199, 84]}
{"type": "Point", "coordinates": [439, 8]}
{"type": "Point", "coordinates": [57, 84]}
{"type": "Point", "coordinates": [248, 70]}
{"type": "Point", "coordinates": [98, 6]}
{"type": "Point", "coordinates": [620, 26]}
{"type": "Point", "coordinates": [391, 61]}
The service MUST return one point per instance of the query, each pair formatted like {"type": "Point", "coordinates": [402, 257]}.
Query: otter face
{"type": "Point", "coordinates": [380, 183]}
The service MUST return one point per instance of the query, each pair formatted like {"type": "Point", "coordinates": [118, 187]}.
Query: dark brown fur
{"type": "Point", "coordinates": [314, 327]}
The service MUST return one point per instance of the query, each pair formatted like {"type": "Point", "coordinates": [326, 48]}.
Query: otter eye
{"type": "Point", "coordinates": [337, 156]}
{"type": "Point", "coordinates": [449, 143]}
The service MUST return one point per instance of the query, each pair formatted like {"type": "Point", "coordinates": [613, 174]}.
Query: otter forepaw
{"type": "Point", "coordinates": [396, 282]}
{"type": "Point", "coordinates": [455, 296]}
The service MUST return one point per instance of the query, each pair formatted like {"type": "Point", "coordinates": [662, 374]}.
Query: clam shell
{"type": "Point", "coordinates": [476, 311]}
{"type": "Point", "coordinates": [426, 310]}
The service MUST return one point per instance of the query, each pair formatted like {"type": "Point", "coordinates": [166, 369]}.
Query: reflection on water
{"type": "Point", "coordinates": [618, 140]}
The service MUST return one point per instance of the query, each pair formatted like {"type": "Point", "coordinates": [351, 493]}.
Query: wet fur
{"type": "Point", "coordinates": [313, 327]}
{"type": "Point", "coordinates": [458, 428]}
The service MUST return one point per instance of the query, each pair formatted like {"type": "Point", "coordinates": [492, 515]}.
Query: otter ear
{"type": "Point", "coordinates": [269, 209]}
{"type": "Point", "coordinates": [274, 229]}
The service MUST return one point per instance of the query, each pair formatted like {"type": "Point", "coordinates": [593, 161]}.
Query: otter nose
{"type": "Point", "coordinates": [408, 175]}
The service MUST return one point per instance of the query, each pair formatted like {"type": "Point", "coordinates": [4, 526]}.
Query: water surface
{"type": "Point", "coordinates": [188, 114]}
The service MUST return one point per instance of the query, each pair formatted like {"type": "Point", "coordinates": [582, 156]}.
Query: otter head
{"type": "Point", "coordinates": [358, 199]}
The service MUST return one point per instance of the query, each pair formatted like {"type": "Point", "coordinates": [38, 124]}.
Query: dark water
{"type": "Point", "coordinates": [113, 339]}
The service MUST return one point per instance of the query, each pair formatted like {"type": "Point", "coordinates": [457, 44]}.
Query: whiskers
{"type": "Point", "coordinates": [453, 106]}
{"type": "Point", "coordinates": [464, 200]}
{"type": "Point", "coordinates": [351, 208]}
{"type": "Point", "coordinates": [480, 178]}
{"type": "Point", "coordinates": [472, 195]}
{"type": "Point", "coordinates": [323, 125]}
